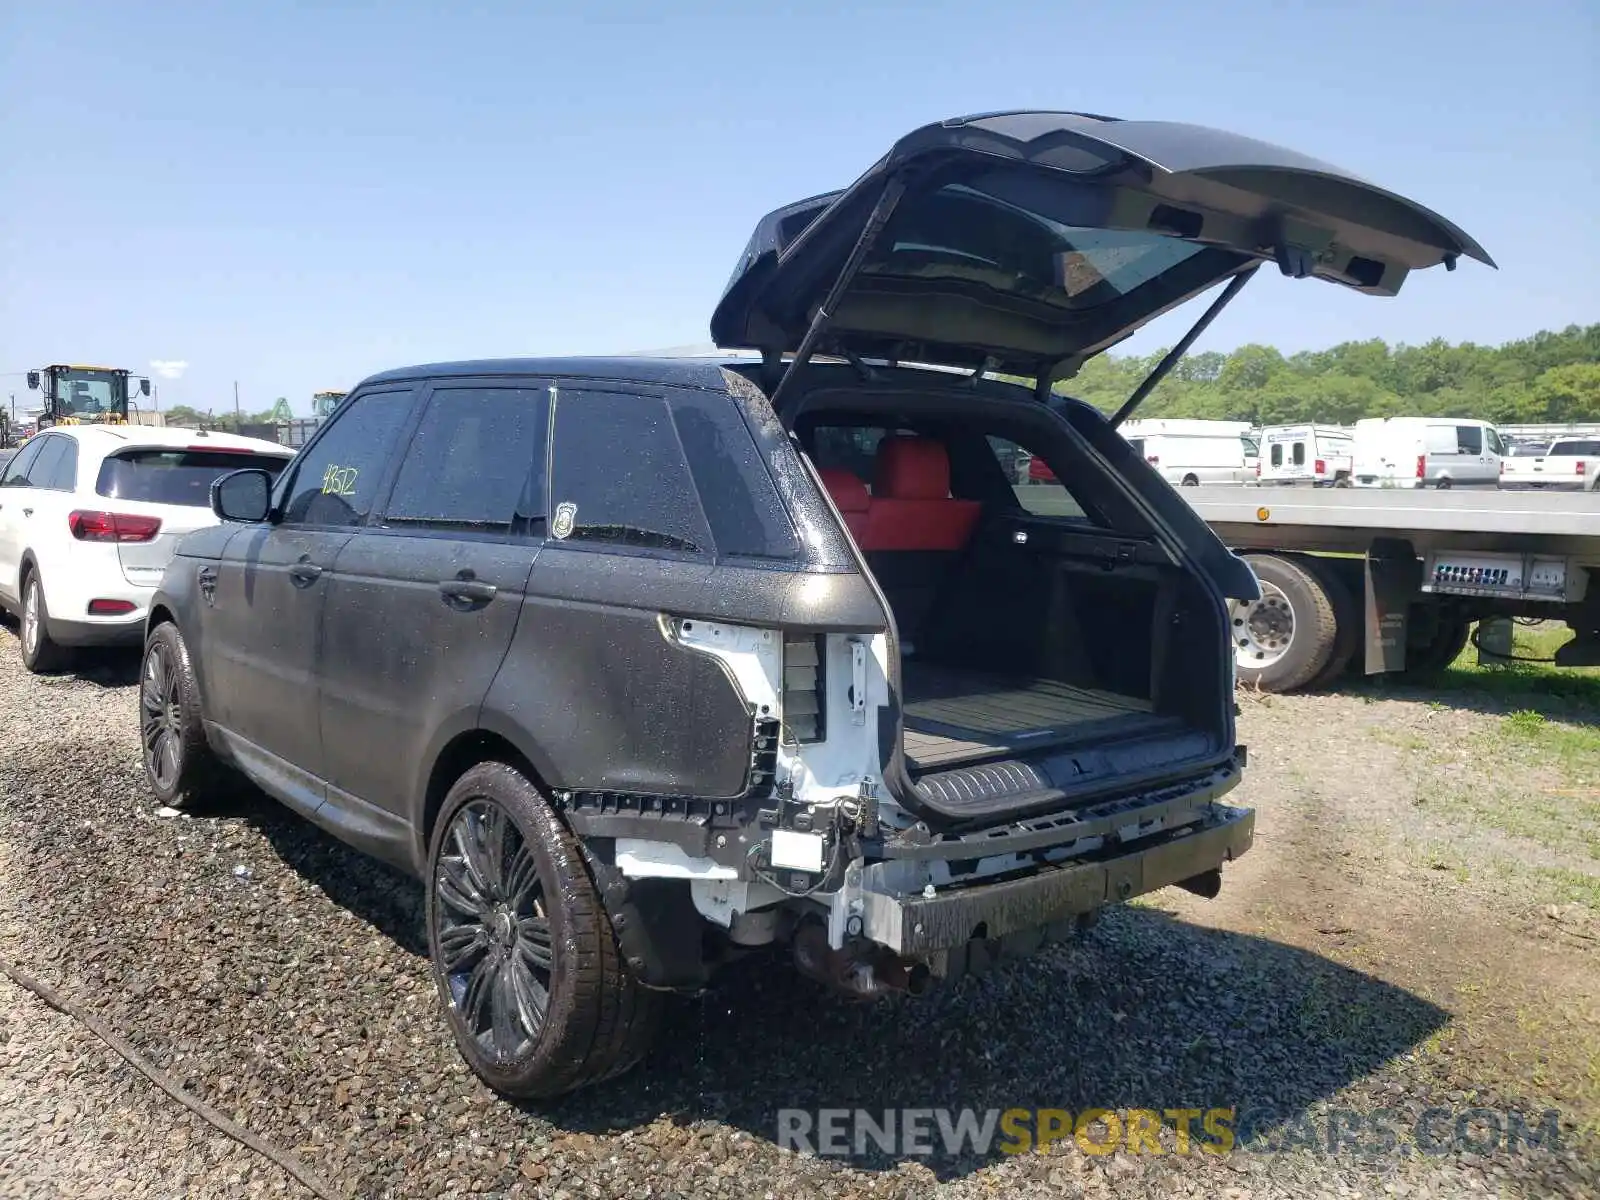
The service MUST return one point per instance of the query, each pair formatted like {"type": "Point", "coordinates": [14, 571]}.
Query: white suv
{"type": "Point", "coordinates": [90, 516]}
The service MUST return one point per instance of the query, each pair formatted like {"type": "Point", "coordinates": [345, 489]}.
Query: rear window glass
{"type": "Point", "coordinates": [993, 231]}
{"type": "Point", "coordinates": [181, 477]}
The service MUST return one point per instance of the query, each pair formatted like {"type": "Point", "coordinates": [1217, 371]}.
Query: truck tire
{"type": "Point", "coordinates": [1284, 640]}
{"type": "Point", "coordinates": [1435, 650]}
{"type": "Point", "coordinates": [526, 960]}
{"type": "Point", "coordinates": [1349, 618]}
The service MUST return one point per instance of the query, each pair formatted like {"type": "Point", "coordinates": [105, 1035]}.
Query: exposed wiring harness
{"type": "Point", "coordinates": [827, 871]}
{"type": "Point", "coordinates": [291, 1164]}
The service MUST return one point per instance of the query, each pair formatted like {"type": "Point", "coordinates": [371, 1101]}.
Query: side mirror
{"type": "Point", "coordinates": [33, 380]}
{"type": "Point", "coordinates": [144, 387]}
{"type": "Point", "coordinates": [244, 495]}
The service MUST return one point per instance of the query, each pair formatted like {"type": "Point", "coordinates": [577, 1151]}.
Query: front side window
{"type": "Point", "coordinates": [620, 476]}
{"type": "Point", "coordinates": [1252, 448]}
{"type": "Point", "coordinates": [47, 468]}
{"type": "Point", "coordinates": [336, 481]}
{"type": "Point", "coordinates": [1469, 439]}
{"type": "Point", "coordinates": [17, 469]}
{"type": "Point", "coordinates": [176, 476]}
{"type": "Point", "coordinates": [1497, 444]}
{"type": "Point", "coordinates": [476, 462]}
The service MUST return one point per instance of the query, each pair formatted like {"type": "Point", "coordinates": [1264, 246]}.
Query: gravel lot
{"type": "Point", "coordinates": [1388, 945]}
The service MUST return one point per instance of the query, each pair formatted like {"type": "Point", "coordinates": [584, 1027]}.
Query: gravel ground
{"type": "Point", "coordinates": [1378, 950]}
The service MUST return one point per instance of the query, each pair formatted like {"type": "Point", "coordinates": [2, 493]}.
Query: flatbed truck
{"type": "Point", "coordinates": [1372, 582]}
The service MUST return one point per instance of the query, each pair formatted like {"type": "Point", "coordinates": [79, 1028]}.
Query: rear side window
{"type": "Point", "coordinates": [476, 462]}
{"type": "Point", "coordinates": [741, 504]}
{"type": "Point", "coordinates": [182, 477]}
{"type": "Point", "coordinates": [1277, 454]}
{"type": "Point", "coordinates": [1469, 439]}
{"type": "Point", "coordinates": [620, 476]}
{"type": "Point", "coordinates": [1299, 454]}
{"type": "Point", "coordinates": [1038, 489]}
{"type": "Point", "coordinates": [337, 477]}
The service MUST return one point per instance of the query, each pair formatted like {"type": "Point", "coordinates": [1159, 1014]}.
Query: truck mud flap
{"type": "Point", "coordinates": [942, 922]}
{"type": "Point", "coordinates": [1393, 578]}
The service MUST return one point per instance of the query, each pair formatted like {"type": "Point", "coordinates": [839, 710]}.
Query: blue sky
{"type": "Point", "coordinates": [296, 195]}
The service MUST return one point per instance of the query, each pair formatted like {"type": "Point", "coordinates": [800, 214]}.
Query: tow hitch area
{"type": "Point", "coordinates": [858, 968]}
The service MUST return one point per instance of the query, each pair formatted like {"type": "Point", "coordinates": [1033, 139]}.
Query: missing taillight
{"type": "Point", "coordinates": [88, 525]}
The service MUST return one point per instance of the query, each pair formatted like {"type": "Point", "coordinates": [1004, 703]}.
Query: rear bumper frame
{"type": "Point", "coordinates": [920, 924]}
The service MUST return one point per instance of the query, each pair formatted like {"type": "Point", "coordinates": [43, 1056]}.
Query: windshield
{"type": "Point", "coordinates": [87, 393]}
{"type": "Point", "coordinates": [182, 477]}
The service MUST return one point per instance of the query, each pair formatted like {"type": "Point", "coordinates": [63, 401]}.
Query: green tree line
{"type": "Point", "coordinates": [1551, 377]}
{"type": "Point", "coordinates": [194, 418]}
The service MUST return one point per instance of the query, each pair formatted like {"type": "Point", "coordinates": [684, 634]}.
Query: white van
{"type": "Point", "coordinates": [1414, 452]}
{"type": "Point", "coordinates": [1190, 452]}
{"type": "Point", "coordinates": [1315, 454]}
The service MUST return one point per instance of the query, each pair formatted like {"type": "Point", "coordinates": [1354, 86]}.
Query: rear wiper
{"type": "Point", "coordinates": [1148, 384]}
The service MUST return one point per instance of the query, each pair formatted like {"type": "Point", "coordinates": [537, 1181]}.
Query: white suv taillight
{"type": "Point", "coordinates": [88, 525]}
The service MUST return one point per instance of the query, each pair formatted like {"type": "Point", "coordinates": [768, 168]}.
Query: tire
{"type": "Point", "coordinates": [1430, 655]}
{"type": "Point", "coordinates": [510, 917]}
{"type": "Point", "coordinates": [1444, 483]}
{"type": "Point", "coordinates": [40, 653]}
{"type": "Point", "coordinates": [1349, 619]}
{"type": "Point", "coordinates": [1190, 481]}
{"type": "Point", "coordinates": [1270, 653]}
{"type": "Point", "coordinates": [179, 764]}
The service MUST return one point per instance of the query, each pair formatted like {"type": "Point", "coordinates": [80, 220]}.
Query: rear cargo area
{"type": "Point", "coordinates": [1037, 659]}
{"type": "Point", "coordinates": [1014, 649]}
{"type": "Point", "coordinates": [955, 716]}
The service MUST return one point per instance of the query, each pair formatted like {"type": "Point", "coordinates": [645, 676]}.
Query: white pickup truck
{"type": "Point", "coordinates": [1567, 462]}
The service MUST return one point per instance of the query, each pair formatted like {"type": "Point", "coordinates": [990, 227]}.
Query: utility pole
{"type": "Point", "coordinates": [236, 417]}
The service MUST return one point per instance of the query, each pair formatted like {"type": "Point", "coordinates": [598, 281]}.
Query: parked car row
{"type": "Point", "coordinates": [1377, 452]}
{"type": "Point", "coordinates": [89, 518]}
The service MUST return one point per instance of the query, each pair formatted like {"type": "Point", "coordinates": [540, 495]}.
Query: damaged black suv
{"type": "Point", "coordinates": [640, 663]}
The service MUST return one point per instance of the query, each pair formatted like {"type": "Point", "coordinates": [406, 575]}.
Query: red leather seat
{"type": "Point", "coordinates": [850, 495]}
{"type": "Point", "coordinates": [911, 507]}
